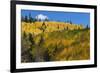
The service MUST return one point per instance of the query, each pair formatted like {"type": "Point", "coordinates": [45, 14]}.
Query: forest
{"type": "Point", "coordinates": [44, 41]}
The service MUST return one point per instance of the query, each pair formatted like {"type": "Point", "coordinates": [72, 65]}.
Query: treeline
{"type": "Point", "coordinates": [30, 19]}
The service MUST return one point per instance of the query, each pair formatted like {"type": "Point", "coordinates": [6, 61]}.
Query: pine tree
{"type": "Point", "coordinates": [30, 18]}
{"type": "Point", "coordinates": [46, 19]}
{"type": "Point", "coordinates": [26, 19]}
{"type": "Point", "coordinates": [66, 28]}
{"type": "Point", "coordinates": [43, 26]}
{"type": "Point", "coordinates": [41, 40]}
{"type": "Point", "coordinates": [22, 18]}
{"type": "Point", "coordinates": [58, 26]}
{"type": "Point", "coordinates": [70, 22]}
{"type": "Point", "coordinates": [46, 56]}
{"type": "Point", "coordinates": [31, 39]}
{"type": "Point", "coordinates": [87, 26]}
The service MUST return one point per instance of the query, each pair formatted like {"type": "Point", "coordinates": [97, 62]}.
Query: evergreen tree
{"type": "Point", "coordinates": [41, 40]}
{"type": "Point", "coordinates": [26, 19]}
{"type": "Point", "coordinates": [70, 22]}
{"type": "Point", "coordinates": [43, 26]}
{"type": "Point", "coordinates": [31, 39]}
{"type": "Point", "coordinates": [58, 26]}
{"type": "Point", "coordinates": [67, 28]}
{"type": "Point", "coordinates": [30, 18]}
{"type": "Point", "coordinates": [87, 26]}
{"type": "Point", "coordinates": [46, 56]}
{"type": "Point", "coordinates": [46, 19]}
{"type": "Point", "coordinates": [34, 20]}
{"type": "Point", "coordinates": [24, 35]}
{"type": "Point", "coordinates": [22, 18]}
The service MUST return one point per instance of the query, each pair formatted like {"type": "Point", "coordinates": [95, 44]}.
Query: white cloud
{"type": "Point", "coordinates": [41, 17]}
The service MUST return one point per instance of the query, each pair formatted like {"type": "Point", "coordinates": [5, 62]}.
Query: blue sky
{"type": "Point", "coordinates": [75, 17]}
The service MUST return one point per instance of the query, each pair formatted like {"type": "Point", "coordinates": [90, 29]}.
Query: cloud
{"type": "Point", "coordinates": [41, 17]}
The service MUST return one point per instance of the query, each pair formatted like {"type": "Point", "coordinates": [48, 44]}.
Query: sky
{"type": "Point", "coordinates": [75, 17]}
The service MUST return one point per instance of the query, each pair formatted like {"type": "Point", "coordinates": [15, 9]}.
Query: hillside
{"type": "Point", "coordinates": [54, 41]}
{"type": "Point", "coordinates": [38, 27]}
